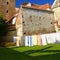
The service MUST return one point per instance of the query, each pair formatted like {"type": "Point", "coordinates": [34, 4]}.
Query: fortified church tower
{"type": "Point", "coordinates": [7, 8]}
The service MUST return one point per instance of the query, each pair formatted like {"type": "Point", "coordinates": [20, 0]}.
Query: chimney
{"type": "Point", "coordinates": [29, 4]}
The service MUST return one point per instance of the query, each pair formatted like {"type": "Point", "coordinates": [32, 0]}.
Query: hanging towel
{"type": "Point", "coordinates": [23, 38]}
{"type": "Point", "coordinates": [57, 37]}
{"type": "Point", "coordinates": [53, 35]}
{"type": "Point", "coordinates": [44, 42]}
{"type": "Point", "coordinates": [34, 37]}
{"type": "Point", "coordinates": [26, 42]}
{"type": "Point", "coordinates": [39, 39]}
{"type": "Point", "coordinates": [50, 38]}
{"type": "Point", "coordinates": [30, 41]}
{"type": "Point", "coordinates": [14, 39]}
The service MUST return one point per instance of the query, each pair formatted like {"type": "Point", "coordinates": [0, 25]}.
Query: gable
{"type": "Point", "coordinates": [56, 3]}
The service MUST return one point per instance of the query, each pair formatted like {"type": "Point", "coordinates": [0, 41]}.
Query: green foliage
{"type": "Point", "coordinates": [6, 44]}
{"type": "Point", "coordinates": [3, 26]}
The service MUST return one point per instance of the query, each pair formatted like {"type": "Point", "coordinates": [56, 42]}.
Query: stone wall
{"type": "Point", "coordinates": [7, 8]}
{"type": "Point", "coordinates": [19, 23]}
{"type": "Point", "coordinates": [37, 21]}
{"type": "Point", "coordinates": [57, 14]}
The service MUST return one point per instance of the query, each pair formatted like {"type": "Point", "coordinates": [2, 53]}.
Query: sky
{"type": "Point", "coordinates": [40, 2]}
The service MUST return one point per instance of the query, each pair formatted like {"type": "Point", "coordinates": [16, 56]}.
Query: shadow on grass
{"type": "Point", "coordinates": [10, 54]}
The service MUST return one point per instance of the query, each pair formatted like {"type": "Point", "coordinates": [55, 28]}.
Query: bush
{"type": "Point", "coordinates": [6, 44]}
{"type": "Point", "coordinates": [3, 26]}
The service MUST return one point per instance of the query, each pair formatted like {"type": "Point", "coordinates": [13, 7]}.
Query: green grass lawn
{"type": "Point", "coordinates": [48, 52]}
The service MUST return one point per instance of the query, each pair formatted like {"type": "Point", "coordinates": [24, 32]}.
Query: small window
{"type": "Point", "coordinates": [7, 11]}
{"type": "Point", "coordinates": [43, 17]}
{"type": "Point", "coordinates": [23, 22]}
{"type": "Point", "coordinates": [39, 17]}
{"type": "Point", "coordinates": [7, 3]}
{"type": "Point", "coordinates": [51, 22]}
{"type": "Point", "coordinates": [22, 16]}
{"type": "Point", "coordinates": [24, 33]}
{"type": "Point", "coordinates": [30, 18]}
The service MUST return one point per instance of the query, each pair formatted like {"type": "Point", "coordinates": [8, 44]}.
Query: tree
{"type": "Point", "coordinates": [3, 26]}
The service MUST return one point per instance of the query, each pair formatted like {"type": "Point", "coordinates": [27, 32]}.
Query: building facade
{"type": "Point", "coordinates": [32, 21]}
{"type": "Point", "coordinates": [56, 8]}
{"type": "Point", "coordinates": [7, 8]}
{"type": "Point", "coordinates": [35, 21]}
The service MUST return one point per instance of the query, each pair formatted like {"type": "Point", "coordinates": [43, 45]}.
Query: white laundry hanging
{"type": "Point", "coordinates": [57, 37]}
{"type": "Point", "coordinates": [26, 41]}
{"type": "Point", "coordinates": [51, 38]}
{"type": "Point", "coordinates": [43, 39]}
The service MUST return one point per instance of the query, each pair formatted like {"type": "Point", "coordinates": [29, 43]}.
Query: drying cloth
{"type": "Point", "coordinates": [57, 37]}
{"type": "Point", "coordinates": [34, 37]}
{"type": "Point", "coordinates": [30, 41]}
{"type": "Point", "coordinates": [43, 39]}
{"type": "Point", "coordinates": [26, 41]}
{"type": "Point", "coordinates": [51, 38]}
{"type": "Point", "coordinates": [39, 40]}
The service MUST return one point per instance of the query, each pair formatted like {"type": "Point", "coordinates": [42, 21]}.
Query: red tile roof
{"type": "Point", "coordinates": [43, 7]}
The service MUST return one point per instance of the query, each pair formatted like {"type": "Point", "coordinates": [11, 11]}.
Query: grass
{"type": "Point", "coordinates": [48, 52]}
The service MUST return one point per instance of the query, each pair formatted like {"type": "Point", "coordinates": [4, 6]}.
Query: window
{"type": "Point", "coordinates": [7, 11]}
{"type": "Point", "coordinates": [23, 22]}
{"type": "Point", "coordinates": [51, 22]}
{"type": "Point", "coordinates": [7, 3]}
{"type": "Point", "coordinates": [22, 16]}
{"type": "Point", "coordinates": [39, 17]}
{"type": "Point", "coordinates": [30, 18]}
{"type": "Point", "coordinates": [43, 17]}
{"type": "Point", "coordinates": [24, 33]}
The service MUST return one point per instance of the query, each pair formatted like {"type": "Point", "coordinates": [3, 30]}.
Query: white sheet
{"type": "Point", "coordinates": [26, 41]}
{"type": "Point", "coordinates": [51, 38]}
{"type": "Point", "coordinates": [43, 40]}
{"type": "Point", "coordinates": [57, 37]}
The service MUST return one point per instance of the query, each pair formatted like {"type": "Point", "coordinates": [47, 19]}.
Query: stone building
{"type": "Point", "coordinates": [7, 8]}
{"type": "Point", "coordinates": [9, 11]}
{"type": "Point", "coordinates": [35, 21]}
{"type": "Point", "coordinates": [32, 20]}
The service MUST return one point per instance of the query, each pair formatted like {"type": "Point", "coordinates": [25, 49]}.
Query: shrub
{"type": "Point", "coordinates": [6, 44]}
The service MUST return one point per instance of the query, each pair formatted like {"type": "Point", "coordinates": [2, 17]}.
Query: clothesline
{"type": "Point", "coordinates": [42, 39]}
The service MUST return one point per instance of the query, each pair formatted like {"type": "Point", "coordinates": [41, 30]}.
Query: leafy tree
{"type": "Point", "coordinates": [3, 26]}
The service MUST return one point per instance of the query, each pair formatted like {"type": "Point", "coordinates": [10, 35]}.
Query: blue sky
{"type": "Point", "coordinates": [40, 2]}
